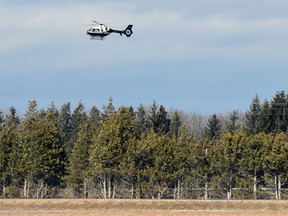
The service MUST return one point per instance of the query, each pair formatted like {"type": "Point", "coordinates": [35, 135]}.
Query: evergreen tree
{"type": "Point", "coordinates": [79, 167]}
{"type": "Point", "coordinates": [109, 148]}
{"type": "Point", "coordinates": [163, 174]}
{"type": "Point", "coordinates": [159, 120]}
{"type": "Point", "coordinates": [141, 122]}
{"type": "Point", "coordinates": [108, 109]}
{"type": "Point", "coordinates": [163, 120]}
{"type": "Point", "coordinates": [188, 167]}
{"type": "Point", "coordinates": [276, 162]}
{"type": "Point", "coordinates": [65, 127]}
{"type": "Point", "coordinates": [213, 128]}
{"type": "Point", "coordinates": [279, 112]}
{"type": "Point", "coordinates": [156, 164]}
{"type": "Point", "coordinates": [56, 161]}
{"type": "Point", "coordinates": [77, 119]}
{"type": "Point", "coordinates": [95, 116]}
{"type": "Point", "coordinates": [1, 118]}
{"type": "Point", "coordinates": [232, 124]}
{"type": "Point", "coordinates": [252, 117]}
{"type": "Point", "coordinates": [153, 117]}
{"type": "Point", "coordinates": [175, 125]}
{"type": "Point", "coordinates": [9, 152]}
{"type": "Point", "coordinates": [254, 149]}
{"type": "Point", "coordinates": [139, 158]}
{"type": "Point", "coordinates": [43, 156]}
{"type": "Point", "coordinates": [225, 161]}
{"type": "Point", "coordinates": [52, 110]}
{"type": "Point", "coordinates": [265, 118]}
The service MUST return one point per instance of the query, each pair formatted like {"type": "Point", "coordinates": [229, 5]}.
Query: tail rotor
{"type": "Point", "coordinates": [128, 31]}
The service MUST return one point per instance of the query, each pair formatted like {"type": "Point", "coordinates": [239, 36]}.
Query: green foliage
{"type": "Point", "coordinates": [108, 109]}
{"type": "Point", "coordinates": [265, 121]}
{"type": "Point", "coordinates": [252, 116]}
{"type": "Point", "coordinates": [158, 119]}
{"type": "Point", "coordinates": [9, 150]}
{"type": "Point", "coordinates": [276, 160]}
{"type": "Point", "coordinates": [147, 153]}
{"type": "Point", "coordinates": [43, 156]}
{"type": "Point", "coordinates": [65, 127]}
{"type": "Point", "coordinates": [175, 124]}
{"type": "Point", "coordinates": [141, 121]}
{"type": "Point", "coordinates": [79, 167]}
{"type": "Point", "coordinates": [279, 112]}
{"type": "Point", "coordinates": [110, 144]}
{"type": "Point", "coordinates": [225, 160]}
{"type": "Point", "coordinates": [213, 128]}
{"type": "Point", "coordinates": [232, 126]}
{"type": "Point", "coordinates": [95, 116]}
{"type": "Point", "coordinates": [77, 119]}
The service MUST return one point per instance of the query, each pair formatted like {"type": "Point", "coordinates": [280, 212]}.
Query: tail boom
{"type": "Point", "coordinates": [128, 31]}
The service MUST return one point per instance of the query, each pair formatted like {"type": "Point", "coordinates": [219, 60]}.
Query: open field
{"type": "Point", "coordinates": [142, 208]}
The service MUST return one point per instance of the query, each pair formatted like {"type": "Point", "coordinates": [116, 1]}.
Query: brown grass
{"type": "Point", "coordinates": [142, 208]}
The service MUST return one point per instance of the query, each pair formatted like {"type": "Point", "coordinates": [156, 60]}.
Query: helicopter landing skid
{"type": "Point", "coordinates": [97, 38]}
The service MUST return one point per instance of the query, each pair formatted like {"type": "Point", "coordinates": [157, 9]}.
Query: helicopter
{"type": "Point", "coordinates": [99, 31]}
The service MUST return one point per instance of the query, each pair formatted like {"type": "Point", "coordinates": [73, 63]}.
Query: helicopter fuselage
{"type": "Point", "coordinates": [98, 32]}
{"type": "Point", "coordinates": [101, 31]}
{"type": "Point", "coordinates": [95, 34]}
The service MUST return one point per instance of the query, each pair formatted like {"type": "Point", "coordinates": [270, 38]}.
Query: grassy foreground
{"type": "Point", "coordinates": [143, 207]}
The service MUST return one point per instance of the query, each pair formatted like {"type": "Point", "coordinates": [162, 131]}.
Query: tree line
{"type": "Point", "coordinates": [145, 153]}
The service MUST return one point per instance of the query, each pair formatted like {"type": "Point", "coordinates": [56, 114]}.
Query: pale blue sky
{"type": "Point", "coordinates": [205, 56]}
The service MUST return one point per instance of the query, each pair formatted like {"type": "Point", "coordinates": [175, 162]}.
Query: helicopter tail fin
{"type": "Point", "coordinates": [128, 31]}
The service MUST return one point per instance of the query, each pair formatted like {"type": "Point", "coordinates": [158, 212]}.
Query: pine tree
{"type": "Point", "coordinates": [141, 122]}
{"type": "Point", "coordinates": [43, 155]}
{"type": "Point", "coordinates": [77, 118]}
{"type": "Point", "coordinates": [265, 118]}
{"type": "Point", "coordinates": [95, 116]}
{"type": "Point", "coordinates": [233, 125]}
{"type": "Point", "coordinates": [158, 119]}
{"type": "Point", "coordinates": [252, 117]}
{"type": "Point", "coordinates": [56, 161]}
{"type": "Point", "coordinates": [276, 162]}
{"type": "Point", "coordinates": [279, 112]}
{"type": "Point", "coordinates": [156, 164]}
{"type": "Point", "coordinates": [213, 128]}
{"type": "Point", "coordinates": [187, 156]}
{"type": "Point", "coordinates": [79, 166]}
{"type": "Point", "coordinates": [163, 174]}
{"type": "Point", "coordinates": [153, 117]}
{"type": "Point", "coordinates": [163, 120]}
{"type": "Point", "coordinates": [175, 125]}
{"type": "Point", "coordinates": [28, 164]}
{"type": "Point", "coordinates": [254, 150]}
{"type": "Point", "coordinates": [65, 127]}
{"type": "Point", "coordinates": [137, 163]}
{"type": "Point", "coordinates": [225, 158]}
{"type": "Point", "coordinates": [109, 149]}
{"type": "Point", "coordinates": [1, 118]}
{"type": "Point", "coordinates": [9, 151]}
{"type": "Point", "coordinates": [108, 109]}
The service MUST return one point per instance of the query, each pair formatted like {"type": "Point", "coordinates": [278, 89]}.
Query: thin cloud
{"type": "Point", "coordinates": [193, 49]}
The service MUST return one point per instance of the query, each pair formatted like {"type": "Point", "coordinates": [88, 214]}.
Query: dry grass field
{"type": "Point", "coordinates": [142, 208]}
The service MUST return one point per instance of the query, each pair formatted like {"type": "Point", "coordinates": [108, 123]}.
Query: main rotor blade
{"type": "Point", "coordinates": [105, 24]}
{"type": "Point", "coordinates": [97, 22]}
